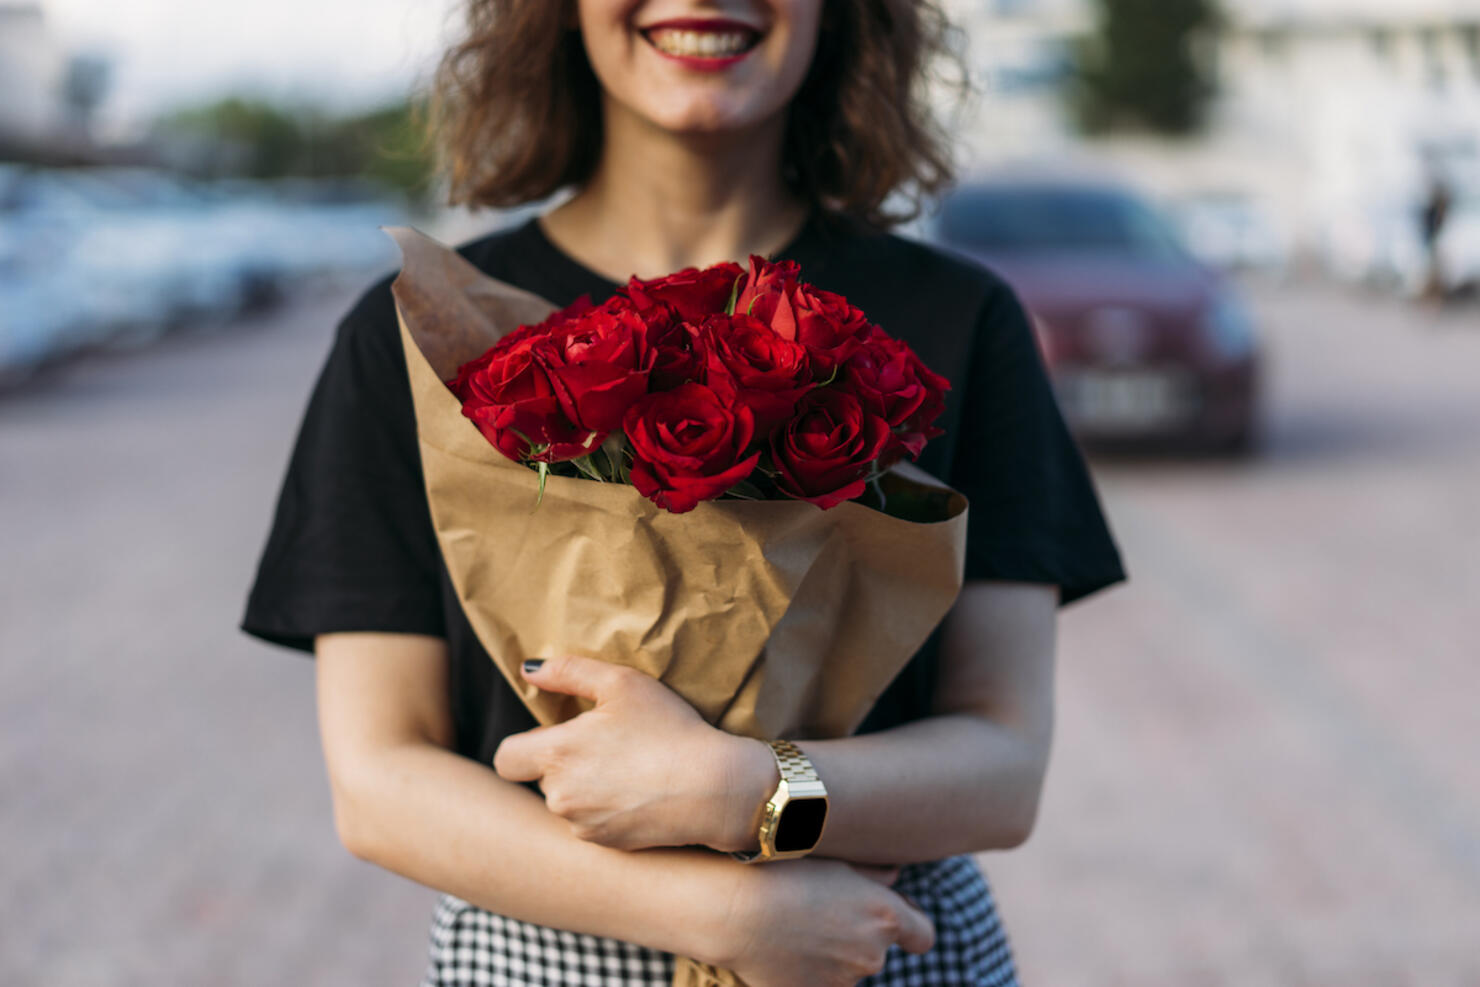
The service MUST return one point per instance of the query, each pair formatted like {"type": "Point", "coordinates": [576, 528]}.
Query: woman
{"type": "Point", "coordinates": [690, 131]}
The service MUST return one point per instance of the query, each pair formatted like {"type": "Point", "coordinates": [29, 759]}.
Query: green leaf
{"type": "Point", "coordinates": [618, 457]}
{"type": "Point", "coordinates": [544, 470]}
{"type": "Point", "coordinates": [745, 490]}
{"type": "Point", "coordinates": [533, 450]}
{"type": "Point", "coordinates": [530, 450]}
{"type": "Point", "coordinates": [734, 295]}
{"type": "Point", "coordinates": [586, 465]}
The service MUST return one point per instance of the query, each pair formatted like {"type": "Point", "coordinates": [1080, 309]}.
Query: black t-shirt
{"type": "Point", "coordinates": [352, 546]}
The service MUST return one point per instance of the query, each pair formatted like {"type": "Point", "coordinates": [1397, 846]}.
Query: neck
{"type": "Point", "coordinates": [658, 202]}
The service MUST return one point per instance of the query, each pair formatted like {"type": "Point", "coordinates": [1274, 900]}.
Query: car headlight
{"type": "Point", "coordinates": [1229, 327]}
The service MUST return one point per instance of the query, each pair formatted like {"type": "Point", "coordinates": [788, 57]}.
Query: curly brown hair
{"type": "Point", "coordinates": [516, 110]}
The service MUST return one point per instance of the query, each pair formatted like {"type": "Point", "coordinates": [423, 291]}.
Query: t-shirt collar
{"type": "Point", "coordinates": [578, 279]}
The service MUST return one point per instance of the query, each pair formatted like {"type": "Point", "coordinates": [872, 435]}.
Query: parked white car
{"type": "Point", "coordinates": [1230, 232]}
{"type": "Point", "coordinates": [1376, 244]}
{"type": "Point", "coordinates": [98, 255]}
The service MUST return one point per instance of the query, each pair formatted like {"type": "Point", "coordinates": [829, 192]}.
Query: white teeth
{"type": "Point", "coordinates": [699, 44]}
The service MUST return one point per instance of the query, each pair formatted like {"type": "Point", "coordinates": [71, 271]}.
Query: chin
{"type": "Point", "coordinates": [704, 125]}
{"type": "Point", "coordinates": [702, 118]}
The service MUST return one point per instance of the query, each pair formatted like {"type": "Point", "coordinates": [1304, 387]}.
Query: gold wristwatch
{"type": "Point", "coordinates": [796, 813]}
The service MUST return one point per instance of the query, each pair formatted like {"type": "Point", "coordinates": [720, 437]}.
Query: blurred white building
{"type": "Point", "coordinates": [1327, 108]}
{"type": "Point", "coordinates": [32, 71]}
{"type": "Point", "coordinates": [1018, 54]}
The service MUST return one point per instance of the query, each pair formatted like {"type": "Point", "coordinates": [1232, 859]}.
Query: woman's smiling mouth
{"type": "Point", "coordinates": [702, 43]}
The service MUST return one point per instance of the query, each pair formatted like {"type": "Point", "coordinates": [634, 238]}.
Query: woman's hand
{"type": "Point", "coordinates": [642, 769]}
{"type": "Point", "coordinates": [819, 923]}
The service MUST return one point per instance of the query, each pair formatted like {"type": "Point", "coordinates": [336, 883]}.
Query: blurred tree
{"type": "Point", "coordinates": [256, 139]}
{"type": "Point", "coordinates": [246, 138]}
{"type": "Point", "coordinates": [389, 145]}
{"type": "Point", "coordinates": [1147, 67]}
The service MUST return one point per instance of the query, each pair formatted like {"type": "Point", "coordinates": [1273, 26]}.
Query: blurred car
{"type": "Point", "coordinates": [1144, 343]}
{"type": "Point", "coordinates": [1376, 244]}
{"type": "Point", "coordinates": [1230, 232]}
{"type": "Point", "coordinates": [119, 256]}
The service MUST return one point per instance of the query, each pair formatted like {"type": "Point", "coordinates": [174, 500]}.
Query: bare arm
{"type": "Point", "coordinates": [968, 778]}
{"type": "Point", "coordinates": [403, 800]}
{"type": "Point", "coordinates": [962, 780]}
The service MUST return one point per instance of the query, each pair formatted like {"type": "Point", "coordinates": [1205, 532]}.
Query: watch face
{"type": "Point", "coordinates": [801, 825]}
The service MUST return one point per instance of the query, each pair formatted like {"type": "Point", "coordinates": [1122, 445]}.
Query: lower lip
{"type": "Point", "coordinates": [699, 64]}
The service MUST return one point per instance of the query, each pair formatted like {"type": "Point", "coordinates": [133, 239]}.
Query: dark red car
{"type": "Point", "coordinates": [1144, 343]}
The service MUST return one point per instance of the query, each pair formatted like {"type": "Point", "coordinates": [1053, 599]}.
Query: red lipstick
{"type": "Point", "coordinates": [715, 25]}
{"type": "Point", "coordinates": [704, 25]}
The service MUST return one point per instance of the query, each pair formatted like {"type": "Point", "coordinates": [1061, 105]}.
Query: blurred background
{"type": "Point", "coordinates": [1249, 235]}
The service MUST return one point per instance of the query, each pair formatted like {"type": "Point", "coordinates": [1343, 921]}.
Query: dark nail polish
{"type": "Point", "coordinates": [533, 665]}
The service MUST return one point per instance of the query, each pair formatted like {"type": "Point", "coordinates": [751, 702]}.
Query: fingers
{"type": "Point", "coordinates": [589, 678]}
{"type": "Point", "coordinates": [916, 933]}
{"type": "Point", "coordinates": [520, 756]}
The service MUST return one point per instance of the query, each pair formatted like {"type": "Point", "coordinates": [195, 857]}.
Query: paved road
{"type": "Point", "coordinates": [1265, 771]}
{"type": "Point", "coordinates": [163, 813]}
{"type": "Point", "coordinates": [1266, 768]}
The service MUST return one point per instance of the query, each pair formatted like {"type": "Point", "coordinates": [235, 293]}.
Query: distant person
{"type": "Point", "coordinates": [1434, 215]}
{"type": "Point", "coordinates": [691, 132]}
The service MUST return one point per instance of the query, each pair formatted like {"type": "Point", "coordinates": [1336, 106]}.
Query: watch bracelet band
{"type": "Point", "coordinates": [795, 770]}
{"type": "Point", "coordinates": [791, 762]}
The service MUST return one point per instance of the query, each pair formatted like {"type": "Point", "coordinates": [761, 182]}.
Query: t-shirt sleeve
{"type": "Point", "coordinates": [351, 546]}
{"type": "Point", "coordinates": [1035, 515]}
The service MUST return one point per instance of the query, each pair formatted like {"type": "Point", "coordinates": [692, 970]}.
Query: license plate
{"type": "Point", "coordinates": [1126, 402]}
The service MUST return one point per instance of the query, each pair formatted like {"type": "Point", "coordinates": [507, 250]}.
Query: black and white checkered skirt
{"type": "Point", "coordinates": [476, 948]}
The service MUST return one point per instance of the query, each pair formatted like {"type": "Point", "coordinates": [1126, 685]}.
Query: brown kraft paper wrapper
{"type": "Point", "coordinates": [772, 619]}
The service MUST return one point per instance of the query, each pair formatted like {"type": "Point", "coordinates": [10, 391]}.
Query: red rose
{"type": "Point", "coordinates": [679, 354]}
{"type": "Point", "coordinates": [827, 324]}
{"type": "Point", "coordinates": [920, 427]}
{"type": "Point", "coordinates": [765, 283]}
{"type": "Point", "coordinates": [597, 364]}
{"type": "Point", "coordinates": [524, 336]}
{"type": "Point", "coordinates": [509, 395]}
{"type": "Point", "coordinates": [688, 445]}
{"type": "Point", "coordinates": [826, 452]}
{"type": "Point", "coordinates": [462, 384]}
{"type": "Point", "coordinates": [692, 294]}
{"type": "Point", "coordinates": [751, 364]}
{"type": "Point", "coordinates": [893, 382]}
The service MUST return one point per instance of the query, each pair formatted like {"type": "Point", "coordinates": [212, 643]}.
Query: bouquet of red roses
{"type": "Point", "coordinates": [702, 384]}
{"type": "Point", "coordinates": [723, 408]}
